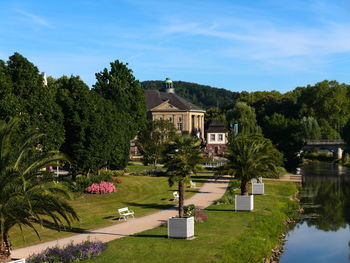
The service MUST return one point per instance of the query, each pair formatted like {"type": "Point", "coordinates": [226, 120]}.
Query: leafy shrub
{"type": "Point", "coordinates": [111, 173]}
{"type": "Point", "coordinates": [116, 180]}
{"type": "Point", "coordinates": [81, 183]}
{"type": "Point", "coordinates": [189, 210]}
{"type": "Point", "coordinates": [101, 188]}
{"type": "Point", "coordinates": [71, 253]}
{"type": "Point", "coordinates": [199, 215]}
{"type": "Point", "coordinates": [319, 156]}
{"type": "Point", "coordinates": [229, 197]}
{"type": "Point", "coordinates": [155, 173]}
{"type": "Point", "coordinates": [281, 171]}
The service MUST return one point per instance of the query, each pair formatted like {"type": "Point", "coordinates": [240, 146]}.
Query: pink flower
{"type": "Point", "coordinates": [101, 188]}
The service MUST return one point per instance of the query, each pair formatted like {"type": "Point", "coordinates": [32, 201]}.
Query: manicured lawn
{"type": "Point", "coordinates": [227, 236]}
{"type": "Point", "coordinates": [134, 167]}
{"type": "Point", "coordinates": [143, 194]}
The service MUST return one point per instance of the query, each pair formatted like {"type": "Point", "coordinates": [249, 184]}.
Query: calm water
{"type": "Point", "coordinates": [323, 233]}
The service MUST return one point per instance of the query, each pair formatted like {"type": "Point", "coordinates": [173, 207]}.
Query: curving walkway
{"type": "Point", "coordinates": [211, 191]}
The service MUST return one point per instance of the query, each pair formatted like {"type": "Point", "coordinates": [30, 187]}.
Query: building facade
{"type": "Point", "coordinates": [186, 116]}
{"type": "Point", "coordinates": [216, 138]}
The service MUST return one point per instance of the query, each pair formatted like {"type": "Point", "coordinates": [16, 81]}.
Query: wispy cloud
{"type": "Point", "coordinates": [35, 19]}
{"type": "Point", "coordinates": [270, 43]}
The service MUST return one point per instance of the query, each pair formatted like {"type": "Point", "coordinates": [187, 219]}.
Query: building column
{"type": "Point", "coordinates": [202, 127]}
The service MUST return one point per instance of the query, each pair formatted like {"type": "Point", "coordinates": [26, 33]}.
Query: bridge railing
{"type": "Point", "coordinates": [324, 142]}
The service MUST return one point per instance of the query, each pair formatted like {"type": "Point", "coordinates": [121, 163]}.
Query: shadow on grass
{"type": "Point", "coordinates": [192, 191]}
{"type": "Point", "coordinates": [109, 217]}
{"type": "Point", "coordinates": [220, 210]}
{"type": "Point", "coordinates": [50, 225]}
{"type": "Point", "coordinates": [150, 206]}
{"type": "Point", "coordinates": [154, 236]}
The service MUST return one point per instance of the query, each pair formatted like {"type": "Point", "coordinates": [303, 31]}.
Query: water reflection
{"type": "Point", "coordinates": [325, 196]}
{"type": "Point", "coordinates": [322, 235]}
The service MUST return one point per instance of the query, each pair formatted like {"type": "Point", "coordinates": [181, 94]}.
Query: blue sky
{"type": "Point", "coordinates": [237, 45]}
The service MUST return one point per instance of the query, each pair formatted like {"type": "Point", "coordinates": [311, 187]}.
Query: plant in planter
{"type": "Point", "coordinates": [27, 194]}
{"type": "Point", "coordinates": [251, 156]}
{"type": "Point", "coordinates": [182, 158]}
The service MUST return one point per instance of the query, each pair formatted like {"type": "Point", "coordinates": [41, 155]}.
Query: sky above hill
{"type": "Point", "coordinates": [237, 45]}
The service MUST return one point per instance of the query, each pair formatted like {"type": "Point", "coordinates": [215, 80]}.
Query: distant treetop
{"type": "Point", "coordinates": [201, 95]}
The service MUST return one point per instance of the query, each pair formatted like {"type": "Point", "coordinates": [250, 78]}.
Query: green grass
{"type": "Point", "coordinates": [143, 194]}
{"type": "Point", "coordinates": [227, 236]}
{"type": "Point", "coordinates": [135, 167]}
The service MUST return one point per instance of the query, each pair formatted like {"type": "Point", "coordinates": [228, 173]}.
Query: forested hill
{"type": "Point", "coordinates": [200, 95]}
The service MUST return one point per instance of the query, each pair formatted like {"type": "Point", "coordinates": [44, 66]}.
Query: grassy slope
{"type": "Point", "coordinates": [221, 239]}
{"type": "Point", "coordinates": [142, 194]}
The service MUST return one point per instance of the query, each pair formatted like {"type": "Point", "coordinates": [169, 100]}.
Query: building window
{"type": "Point", "coordinates": [170, 119]}
{"type": "Point", "coordinates": [212, 137]}
{"type": "Point", "coordinates": [179, 126]}
{"type": "Point", "coordinates": [160, 118]}
{"type": "Point", "coordinates": [180, 119]}
{"type": "Point", "coordinates": [221, 138]}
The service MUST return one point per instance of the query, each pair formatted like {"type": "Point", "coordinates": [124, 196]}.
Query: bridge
{"type": "Point", "coordinates": [337, 147]}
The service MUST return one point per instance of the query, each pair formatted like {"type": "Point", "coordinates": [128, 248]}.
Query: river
{"type": "Point", "coordinates": [322, 233]}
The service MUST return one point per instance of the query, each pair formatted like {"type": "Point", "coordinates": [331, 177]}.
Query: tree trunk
{"type": "Point", "coordinates": [181, 198]}
{"type": "Point", "coordinates": [244, 187]}
{"type": "Point", "coordinates": [5, 249]}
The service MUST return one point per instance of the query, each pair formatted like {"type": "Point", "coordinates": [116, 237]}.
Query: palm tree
{"type": "Point", "coordinates": [251, 156]}
{"type": "Point", "coordinates": [182, 158]}
{"type": "Point", "coordinates": [27, 196]}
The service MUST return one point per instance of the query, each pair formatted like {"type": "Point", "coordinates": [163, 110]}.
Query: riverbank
{"type": "Point", "coordinates": [226, 236]}
{"type": "Point", "coordinates": [322, 232]}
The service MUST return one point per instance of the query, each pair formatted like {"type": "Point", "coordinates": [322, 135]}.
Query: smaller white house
{"type": "Point", "coordinates": [216, 138]}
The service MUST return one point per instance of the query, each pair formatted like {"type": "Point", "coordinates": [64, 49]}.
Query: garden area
{"type": "Point", "coordinates": [142, 194]}
{"type": "Point", "coordinates": [226, 236]}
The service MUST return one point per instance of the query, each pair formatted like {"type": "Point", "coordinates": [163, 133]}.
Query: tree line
{"type": "Point", "coordinates": [201, 95]}
{"type": "Point", "coordinates": [320, 111]}
{"type": "Point", "coordinates": [92, 127]}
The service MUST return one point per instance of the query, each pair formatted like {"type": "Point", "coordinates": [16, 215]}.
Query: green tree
{"type": "Point", "coordinates": [346, 134]}
{"type": "Point", "coordinates": [327, 101]}
{"type": "Point", "coordinates": [286, 134]}
{"type": "Point", "coordinates": [213, 114]}
{"type": "Point", "coordinates": [153, 140]}
{"type": "Point", "coordinates": [120, 86]}
{"type": "Point", "coordinates": [36, 106]}
{"type": "Point", "coordinates": [311, 129]}
{"type": "Point", "coordinates": [96, 134]}
{"type": "Point", "coordinates": [245, 117]}
{"type": "Point", "coordinates": [182, 158]}
{"type": "Point", "coordinates": [251, 156]}
{"type": "Point", "coordinates": [27, 196]}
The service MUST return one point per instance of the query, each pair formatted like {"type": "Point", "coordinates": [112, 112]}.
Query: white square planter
{"type": "Point", "coordinates": [257, 188]}
{"type": "Point", "coordinates": [181, 227]}
{"type": "Point", "coordinates": [244, 202]}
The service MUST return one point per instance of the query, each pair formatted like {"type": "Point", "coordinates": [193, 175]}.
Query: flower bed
{"type": "Point", "coordinates": [71, 253]}
{"type": "Point", "coordinates": [101, 188]}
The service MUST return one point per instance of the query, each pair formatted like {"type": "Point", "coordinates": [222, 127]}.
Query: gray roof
{"type": "Point", "coordinates": [217, 126]}
{"type": "Point", "coordinates": [156, 97]}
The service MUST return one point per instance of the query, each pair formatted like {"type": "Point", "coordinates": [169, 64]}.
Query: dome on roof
{"type": "Point", "coordinates": [169, 86]}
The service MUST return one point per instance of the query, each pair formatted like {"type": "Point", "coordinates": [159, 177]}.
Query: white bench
{"type": "Point", "coordinates": [176, 196]}
{"type": "Point", "coordinates": [22, 260]}
{"type": "Point", "coordinates": [125, 213]}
